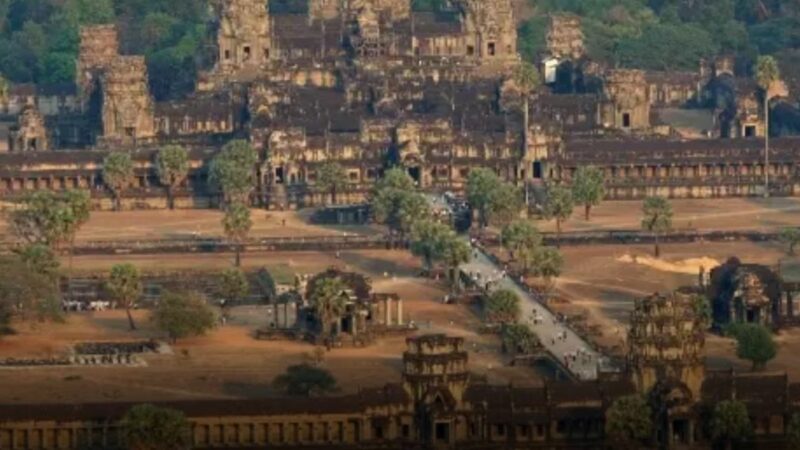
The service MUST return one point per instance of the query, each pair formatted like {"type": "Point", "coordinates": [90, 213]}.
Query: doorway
{"type": "Point", "coordinates": [626, 120]}
{"type": "Point", "coordinates": [416, 174]}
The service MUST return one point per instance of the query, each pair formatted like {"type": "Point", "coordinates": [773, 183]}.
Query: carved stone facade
{"type": "Point", "coordinates": [30, 134]}
{"type": "Point", "coordinates": [244, 37]}
{"type": "Point", "coordinates": [565, 37]}
{"type": "Point", "coordinates": [128, 109]}
{"type": "Point", "coordinates": [628, 103]}
{"type": "Point", "coordinates": [746, 293]}
{"type": "Point", "coordinates": [438, 404]}
{"type": "Point", "coordinates": [666, 343]}
{"type": "Point", "coordinates": [99, 45]}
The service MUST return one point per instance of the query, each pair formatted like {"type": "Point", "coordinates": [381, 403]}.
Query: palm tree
{"type": "Point", "coordinates": [172, 165]}
{"type": "Point", "coordinates": [767, 73]}
{"type": "Point", "coordinates": [237, 224]}
{"type": "Point", "coordinates": [526, 78]}
{"type": "Point", "coordinates": [329, 300]}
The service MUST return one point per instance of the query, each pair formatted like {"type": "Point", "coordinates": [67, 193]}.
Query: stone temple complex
{"type": "Point", "coordinates": [369, 83]}
{"type": "Point", "coordinates": [439, 404]}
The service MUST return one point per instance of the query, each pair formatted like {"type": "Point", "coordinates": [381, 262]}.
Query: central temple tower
{"type": "Point", "coordinates": [244, 36]}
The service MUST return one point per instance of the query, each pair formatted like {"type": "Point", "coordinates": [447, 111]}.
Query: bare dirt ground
{"type": "Point", "coordinates": [228, 362]}
{"type": "Point", "coordinates": [604, 281]}
{"type": "Point", "coordinates": [701, 214]}
{"type": "Point", "coordinates": [200, 223]}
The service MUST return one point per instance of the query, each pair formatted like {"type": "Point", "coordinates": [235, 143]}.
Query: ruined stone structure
{"type": "Point", "coordinates": [437, 404]}
{"type": "Point", "coordinates": [244, 38]}
{"type": "Point", "coordinates": [30, 134]}
{"type": "Point", "coordinates": [99, 47]}
{"type": "Point", "coordinates": [128, 113]}
{"type": "Point", "coordinates": [369, 83]}
{"type": "Point", "coordinates": [565, 37]}
{"type": "Point", "coordinates": [665, 360]}
{"type": "Point", "coordinates": [628, 103]}
{"type": "Point", "coordinates": [746, 293]}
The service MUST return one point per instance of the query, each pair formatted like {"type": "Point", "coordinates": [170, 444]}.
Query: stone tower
{"type": "Point", "coordinates": [627, 105]}
{"type": "Point", "coordinates": [324, 9]}
{"type": "Point", "coordinates": [99, 46]}
{"type": "Point", "coordinates": [244, 36]}
{"type": "Point", "coordinates": [435, 375]}
{"type": "Point", "coordinates": [127, 105]}
{"type": "Point", "coordinates": [30, 134]}
{"type": "Point", "coordinates": [565, 37]}
{"type": "Point", "coordinates": [492, 29]}
{"type": "Point", "coordinates": [665, 343]}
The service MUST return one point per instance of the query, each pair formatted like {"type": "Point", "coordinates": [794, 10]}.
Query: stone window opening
{"type": "Point", "coordinates": [130, 132]}
{"type": "Point", "coordinates": [537, 170]}
{"type": "Point", "coordinates": [470, 50]}
{"type": "Point", "coordinates": [227, 54]}
{"type": "Point", "coordinates": [626, 120]}
{"type": "Point", "coordinates": [32, 144]}
{"type": "Point", "coordinates": [246, 51]}
{"type": "Point", "coordinates": [442, 432]}
{"type": "Point", "coordinates": [492, 49]}
{"type": "Point", "coordinates": [266, 53]}
{"type": "Point", "coordinates": [750, 131]}
{"type": "Point", "coordinates": [279, 175]}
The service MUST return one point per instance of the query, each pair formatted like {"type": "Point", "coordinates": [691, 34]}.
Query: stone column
{"type": "Point", "coordinates": [388, 311]}
{"type": "Point", "coordinates": [400, 311]}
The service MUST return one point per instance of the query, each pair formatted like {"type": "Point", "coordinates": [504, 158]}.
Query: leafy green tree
{"type": "Point", "coordinates": [754, 343]}
{"type": "Point", "coordinates": [233, 171]}
{"type": "Point", "coordinates": [501, 306]}
{"type": "Point", "coordinates": [118, 174]}
{"type": "Point", "coordinates": [767, 74]}
{"type": "Point", "coordinates": [657, 219]}
{"type": "Point", "coordinates": [237, 224]}
{"type": "Point", "coordinates": [454, 252]}
{"type": "Point", "coordinates": [265, 284]}
{"type": "Point", "coordinates": [149, 427]}
{"type": "Point", "coordinates": [233, 285]}
{"type": "Point", "coordinates": [730, 422]}
{"type": "Point", "coordinates": [331, 179]}
{"type": "Point", "coordinates": [304, 380]}
{"type": "Point", "coordinates": [183, 314]}
{"type": "Point", "coordinates": [493, 199]}
{"type": "Point", "coordinates": [628, 422]}
{"type": "Point", "coordinates": [559, 206]}
{"type": "Point", "coordinates": [77, 208]}
{"type": "Point", "coordinates": [522, 240]}
{"type": "Point", "coordinates": [41, 260]}
{"type": "Point", "coordinates": [481, 183]}
{"type": "Point", "coordinates": [125, 287]}
{"type": "Point", "coordinates": [329, 301]}
{"type": "Point", "coordinates": [791, 237]}
{"type": "Point", "coordinates": [547, 263]}
{"type": "Point", "coordinates": [29, 294]}
{"type": "Point", "coordinates": [588, 188]}
{"type": "Point", "coordinates": [396, 203]}
{"type": "Point", "coordinates": [519, 339]}
{"type": "Point", "coordinates": [426, 241]}
{"type": "Point", "coordinates": [50, 219]}
{"type": "Point", "coordinates": [172, 166]}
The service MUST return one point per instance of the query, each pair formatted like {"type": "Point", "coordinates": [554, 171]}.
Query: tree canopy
{"type": "Point", "coordinates": [183, 314]}
{"type": "Point", "coordinates": [501, 306]}
{"type": "Point", "coordinates": [730, 421]}
{"type": "Point", "coordinates": [118, 174]}
{"type": "Point", "coordinates": [671, 34]}
{"type": "Point", "coordinates": [754, 343]}
{"type": "Point", "coordinates": [149, 427]}
{"type": "Point", "coordinates": [628, 422]}
{"type": "Point", "coordinates": [125, 286]}
{"type": "Point", "coordinates": [172, 165]}
{"type": "Point", "coordinates": [304, 380]}
{"type": "Point", "coordinates": [233, 171]}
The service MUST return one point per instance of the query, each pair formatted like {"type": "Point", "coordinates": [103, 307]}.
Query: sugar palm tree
{"type": "Point", "coordinates": [329, 301]}
{"type": "Point", "coordinates": [526, 78]}
{"type": "Point", "coordinates": [767, 73]}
